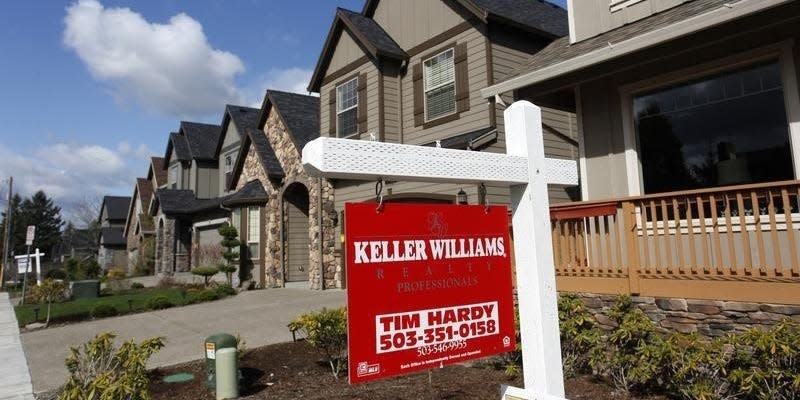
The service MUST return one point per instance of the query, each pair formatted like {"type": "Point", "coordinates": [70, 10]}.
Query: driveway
{"type": "Point", "coordinates": [260, 317]}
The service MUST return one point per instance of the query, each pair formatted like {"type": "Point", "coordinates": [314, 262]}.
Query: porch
{"type": "Point", "coordinates": [736, 243]}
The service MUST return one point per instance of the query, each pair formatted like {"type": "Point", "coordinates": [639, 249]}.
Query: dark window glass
{"type": "Point", "coordinates": [723, 130]}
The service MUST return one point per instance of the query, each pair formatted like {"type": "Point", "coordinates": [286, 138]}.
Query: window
{"type": "Point", "coordinates": [253, 231]}
{"type": "Point", "coordinates": [236, 218]}
{"type": "Point", "coordinates": [173, 176]}
{"type": "Point", "coordinates": [228, 163]}
{"type": "Point", "coordinates": [347, 108]}
{"type": "Point", "coordinates": [725, 129]}
{"type": "Point", "coordinates": [439, 74]}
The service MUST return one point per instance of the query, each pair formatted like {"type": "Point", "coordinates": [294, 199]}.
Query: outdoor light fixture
{"type": "Point", "coordinates": [461, 197]}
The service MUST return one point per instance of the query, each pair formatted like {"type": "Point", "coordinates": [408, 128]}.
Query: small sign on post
{"type": "Point", "coordinates": [428, 285]}
{"type": "Point", "coordinates": [29, 236]}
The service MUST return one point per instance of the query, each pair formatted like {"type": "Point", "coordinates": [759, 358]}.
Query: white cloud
{"type": "Point", "coordinates": [288, 80]}
{"type": "Point", "coordinates": [143, 152]}
{"type": "Point", "coordinates": [124, 148]}
{"type": "Point", "coordinates": [69, 173]}
{"type": "Point", "coordinates": [169, 69]}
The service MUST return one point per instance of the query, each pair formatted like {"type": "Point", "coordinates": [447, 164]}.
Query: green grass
{"type": "Point", "coordinates": [79, 309]}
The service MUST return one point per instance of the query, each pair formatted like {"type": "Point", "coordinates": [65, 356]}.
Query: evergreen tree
{"type": "Point", "coordinates": [37, 210]}
{"type": "Point", "coordinates": [16, 224]}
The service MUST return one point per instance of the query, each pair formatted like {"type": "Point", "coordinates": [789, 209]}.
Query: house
{"type": "Point", "coordinates": [112, 252]}
{"type": "Point", "coordinates": [139, 229]}
{"type": "Point", "coordinates": [288, 239]}
{"type": "Point", "coordinates": [689, 138]}
{"type": "Point", "coordinates": [187, 212]}
{"type": "Point", "coordinates": [412, 72]}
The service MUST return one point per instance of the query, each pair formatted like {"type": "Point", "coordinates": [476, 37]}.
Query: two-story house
{"type": "Point", "coordinates": [689, 120]}
{"type": "Point", "coordinates": [138, 224]}
{"type": "Point", "coordinates": [187, 212]}
{"type": "Point", "coordinates": [111, 250]}
{"type": "Point", "coordinates": [289, 237]}
{"type": "Point", "coordinates": [411, 72]}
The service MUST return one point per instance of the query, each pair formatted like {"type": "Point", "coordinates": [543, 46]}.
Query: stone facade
{"type": "Point", "coordinates": [167, 249]}
{"type": "Point", "coordinates": [290, 159]}
{"type": "Point", "coordinates": [707, 317]}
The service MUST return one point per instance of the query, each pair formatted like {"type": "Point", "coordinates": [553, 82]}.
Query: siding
{"type": "Point", "coordinates": [207, 181]}
{"type": "Point", "coordinates": [371, 71]}
{"type": "Point", "coordinates": [411, 22]}
{"type": "Point", "coordinates": [593, 17]}
{"type": "Point", "coordinates": [346, 51]}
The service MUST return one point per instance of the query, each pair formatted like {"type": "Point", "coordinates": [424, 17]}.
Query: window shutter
{"type": "Point", "coordinates": [462, 80]}
{"type": "Point", "coordinates": [332, 113]}
{"type": "Point", "coordinates": [419, 93]}
{"type": "Point", "coordinates": [362, 103]}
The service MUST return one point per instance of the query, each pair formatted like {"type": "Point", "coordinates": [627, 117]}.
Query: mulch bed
{"type": "Point", "coordinates": [295, 371]}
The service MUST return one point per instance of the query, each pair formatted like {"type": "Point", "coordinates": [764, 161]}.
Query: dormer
{"type": "Point", "coordinates": [236, 121]}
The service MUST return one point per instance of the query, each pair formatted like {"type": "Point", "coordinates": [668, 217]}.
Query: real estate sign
{"type": "Point", "coordinates": [428, 285]}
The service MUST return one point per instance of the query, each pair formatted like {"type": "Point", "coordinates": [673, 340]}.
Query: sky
{"type": "Point", "coordinates": [90, 89]}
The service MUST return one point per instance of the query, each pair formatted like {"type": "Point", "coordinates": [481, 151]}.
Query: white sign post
{"type": "Point", "coordinates": [525, 168]}
{"type": "Point", "coordinates": [24, 264]}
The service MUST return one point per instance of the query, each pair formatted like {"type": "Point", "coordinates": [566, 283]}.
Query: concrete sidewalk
{"type": "Point", "coordinates": [15, 380]}
{"type": "Point", "coordinates": [260, 317]}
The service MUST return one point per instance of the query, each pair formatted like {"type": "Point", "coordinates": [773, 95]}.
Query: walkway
{"type": "Point", "coordinates": [260, 317]}
{"type": "Point", "coordinates": [15, 380]}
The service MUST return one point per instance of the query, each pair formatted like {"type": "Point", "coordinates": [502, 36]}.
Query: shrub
{"type": "Point", "coordinates": [225, 290]}
{"type": "Point", "coordinates": [57, 273]}
{"type": "Point", "coordinates": [114, 277]}
{"type": "Point", "coordinates": [231, 243]}
{"type": "Point", "coordinates": [48, 292]}
{"type": "Point", "coordinates": [326, 330]}
{"type": "Point", "coordinates": [100, 371]}
{"type": "Point", "coordinates": [697, 367]}
{"type": "Point", "coordinates": [632, 356]}
{"type": "Point", "coordinates": [204, 296]}
{"type": "Point", "coordinates": [146, 261]}
{"type": "Point", "coordinates": [167, 281]}
{"type": "Point", "coordinates": [206, 271]}
{"type": "Point", "coordinates": [91, 269]}
{"type": "Point", "coordinates": [578, 334]}
{"type": "Point", "coordinates": [159, 302]}
{"type": "Point", "coordinates": [103, 310]}
{"type": "Point", "coordinates": [137, 285]}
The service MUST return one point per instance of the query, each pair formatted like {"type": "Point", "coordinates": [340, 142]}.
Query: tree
{"type": "Point", "coordinates": [37, 210]}
{"type": "Point", "coordinates": [230, 242]}
{"type": "Point", "coordinates": [49, 291]}
{"type": "Point", "coordinates": [12, 209]}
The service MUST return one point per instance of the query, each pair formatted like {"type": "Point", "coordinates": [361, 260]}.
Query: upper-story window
{"type": "Point", "coordinates": [347, 108]}
{"type": "Point", "coordinates": [173, 176]}
{"type": "Point", "coordinates": [440, 85]}
{"type": "Point", "coordinates": [228, 163]}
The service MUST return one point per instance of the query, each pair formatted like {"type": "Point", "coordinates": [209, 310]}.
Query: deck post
{"type": "Point", "coordinates": [631, 246]}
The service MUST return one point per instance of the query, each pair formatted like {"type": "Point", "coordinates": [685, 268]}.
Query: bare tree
{"type": "Point", "coordinates": [87, 211]}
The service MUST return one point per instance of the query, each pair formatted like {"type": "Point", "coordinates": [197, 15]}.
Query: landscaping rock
{"type": "Point", "coordinates": [738, 306]}
{"type": "Point", "coordinates": [704, 309]}
{"type": "Point", "coordinates": [604, 321]}
{"type": "Point", "coordinates": [714, 303]}
{"type": "Point", "coordinates": [680, 327]}
{"type": "Point", "coordinates": [35, 325]}
{"type": "Point", "coordinates": [781, 309]}
{"type": "Point", "coordinates": [671, 304]}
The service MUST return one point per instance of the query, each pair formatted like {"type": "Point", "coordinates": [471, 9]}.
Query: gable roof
{"type": "Point", "coordinates": [142, 193]}
{"type": "Point", "coordinates": [116, 207]}
{"type": "Point", "coordinates": [560, 57]}
{"type": "Point", "coordinates": [241, 117]}
{"type": "Point", "coordinates": [181, 146]}
{"type": "Point", "coordinates": [202, 139]}
{"type": "Point", "coordinates": [252, 192]}
{"type": "Point", "coordinates": [158, 171]}
{"type": "Point", "coordinates": [299, 112]}
{"type": "Point", "coordinates": [537, 16]}
{"type": "Point", "coordinates": [184, 202]}
{"type": "Point", "coordinates": [266, 154]}
{"type": "Point", "coordinates": [370, 36]}
{"type": "Point", "coordinates": [111, 236]}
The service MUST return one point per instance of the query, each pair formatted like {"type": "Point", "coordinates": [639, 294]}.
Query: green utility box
{"type": "Point", "coordinates": [89, 289]}
{"type": "Point", "coordinates": [212, 344]}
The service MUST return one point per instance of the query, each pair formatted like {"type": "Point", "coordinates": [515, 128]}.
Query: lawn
{"type": "Point", "coordinates": [124, 303]}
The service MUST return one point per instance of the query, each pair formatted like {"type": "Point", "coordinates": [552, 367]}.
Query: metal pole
{"type": "Point", "coordinates": [7, 233]}
{"type": "Point", "coordinates": [25, 276]}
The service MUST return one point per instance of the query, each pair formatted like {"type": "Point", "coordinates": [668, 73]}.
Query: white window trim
{"type": "Point", "coordinates": [781, 50]}
{"type": "Point", "coordinates": [257, 242]}
{"type": "Point", "coordinates": [339, 112]}
{"type": "Point", "coordinates": [177, 176]}
{"type": "Point", "coordinates": [425, 88]}
{"type": "Point", "coordinates": [617, 5]}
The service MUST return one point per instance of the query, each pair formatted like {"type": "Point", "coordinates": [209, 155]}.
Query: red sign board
{"type": "Point", "coordinates": [428, 285]}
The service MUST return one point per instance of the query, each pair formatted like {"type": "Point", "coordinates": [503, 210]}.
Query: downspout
{"type": "Point", "coordinates": [175, 234]}
{"type": "Point", "coordinates": [321, 235]}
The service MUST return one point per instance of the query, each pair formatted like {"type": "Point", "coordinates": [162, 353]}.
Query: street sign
{"type": "Point", "coordinates": [30, 235]}
{"type": "Point", "coordinates": [428, 285]}
{"type": "Point", "coordinates": [22, 265]}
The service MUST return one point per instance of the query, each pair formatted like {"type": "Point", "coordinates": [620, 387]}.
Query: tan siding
{"type": "Point", "coordinates": [391, 105]}
{"type": "Point", "coordinates": [345, 52]}
{"type": "Point", "coordinates": [593, 17]}
{"type": "Point", "coordinates": [411, 22]}
{"type": "Point", "coordinates": [478, 114]}
{"type": "Point", "coordinates": [371, 71]}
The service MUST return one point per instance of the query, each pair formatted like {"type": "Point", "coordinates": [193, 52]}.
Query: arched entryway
{"type": "Point", "coordinates": [296, 241]}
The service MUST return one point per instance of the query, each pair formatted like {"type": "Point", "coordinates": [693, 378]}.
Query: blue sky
{"type": "Point", "coordinates": [90, 89]}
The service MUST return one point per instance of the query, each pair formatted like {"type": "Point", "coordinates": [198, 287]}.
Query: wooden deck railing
{"type": "Point", "coordinates": [729, 243]}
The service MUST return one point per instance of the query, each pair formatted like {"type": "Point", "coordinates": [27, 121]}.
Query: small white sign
{"type": "Point", "coordinates": [210, 351]}
{"type": "Point", "coordinates": [31, 234]}
{"type": "Point", "coordinates": [23, 266]}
